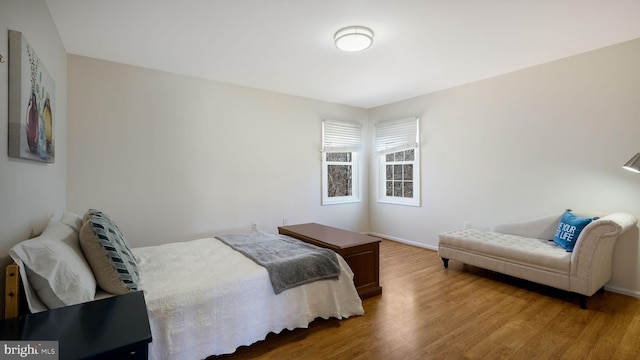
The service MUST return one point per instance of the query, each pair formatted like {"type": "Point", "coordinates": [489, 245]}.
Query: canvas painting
{"type": "Point", "coordinates": [31, 103]}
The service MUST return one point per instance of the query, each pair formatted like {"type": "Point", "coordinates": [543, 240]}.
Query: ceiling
{"type": "Point", "coordinates": [286, 46]}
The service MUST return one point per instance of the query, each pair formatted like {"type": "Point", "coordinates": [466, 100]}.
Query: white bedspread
{"type": "Point", "coordinates": [205, 298]}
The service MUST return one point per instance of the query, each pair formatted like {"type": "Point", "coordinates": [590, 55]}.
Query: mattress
{"type": "Point", "coordinates": [204, 298]}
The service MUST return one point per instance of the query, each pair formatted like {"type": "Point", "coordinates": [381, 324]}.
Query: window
{"type": "Point", "coordinates": [397, 147]}
{"type": "Point", "coordinates": [341, 144]}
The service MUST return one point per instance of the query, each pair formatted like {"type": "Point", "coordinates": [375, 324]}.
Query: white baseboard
{"type": "Point", "coordinates": [404, 241]}
{"type": "Point", "coordinates": [622, 291]}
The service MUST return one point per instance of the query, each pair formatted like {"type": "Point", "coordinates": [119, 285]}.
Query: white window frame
{"type": "Point", "coordinates": [338, 137]}
{"type": "Point", "coordinates": [391, 137]}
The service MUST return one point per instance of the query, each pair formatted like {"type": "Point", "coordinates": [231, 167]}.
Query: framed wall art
{"type": "Point", "coordinates": [31, 103]}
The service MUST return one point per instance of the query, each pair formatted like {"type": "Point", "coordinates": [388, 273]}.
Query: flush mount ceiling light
{"type": "Point", "coordinates": [353, 38]}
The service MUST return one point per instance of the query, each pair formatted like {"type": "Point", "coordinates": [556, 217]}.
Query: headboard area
{"type": "Point", "coordinates": [12, 291]}
{"type": "Point", "coordinates": [74, 260]}
{"type": "Point", "coordinates": [34, 279]}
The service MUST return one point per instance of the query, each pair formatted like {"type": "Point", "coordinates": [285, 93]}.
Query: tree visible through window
{"type": "Point", "coordinates": [397, 147]}
{"type": "Point", "coordinates": [339, 174]}
{"type": "Point", "coordinates": [399, 173]}
{"type": "Point", "coordinates": [341, 143]}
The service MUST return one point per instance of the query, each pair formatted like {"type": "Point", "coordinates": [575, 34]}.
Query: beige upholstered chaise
{"type": "Point", "coordinates": [524, 250]}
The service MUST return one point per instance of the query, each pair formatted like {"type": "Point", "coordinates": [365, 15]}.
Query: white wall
{"type": "Point", "coordinates": [31, 192]}
{"type": "Point", "coordinates": [173, 158]}
{"type": "Point", "coordinates": [526, 144]}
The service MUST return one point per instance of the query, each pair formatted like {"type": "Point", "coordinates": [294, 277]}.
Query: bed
{"type": "Point", "coordinates": [203, 297]}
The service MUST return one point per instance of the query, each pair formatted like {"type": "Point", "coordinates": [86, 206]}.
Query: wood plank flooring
{"type": "Point", "coordinates": [428, 312]}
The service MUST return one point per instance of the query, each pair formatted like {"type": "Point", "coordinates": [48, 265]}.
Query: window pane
{"type": "Point", "coordinates": [339, 156]}
{"type": "Point", "coordinates": [409, 155]}
{"type": "Point", "coordinates": [408, 171]}
{"type": "Point", "coordinates": [397, 172]}
{"type": "Point", "coordinates": [339, 180]}
{"type": "Point", "coordinates": [408, 189]}
{"type": "Point", "coordinates": [397, 188]}
{"type": "Point", "coordinates": [399, 169]}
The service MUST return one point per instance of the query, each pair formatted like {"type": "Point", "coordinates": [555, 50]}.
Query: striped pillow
{"type": "Point", "coordinates": [108, 254]}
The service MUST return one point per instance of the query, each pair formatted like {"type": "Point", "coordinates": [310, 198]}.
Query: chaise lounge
{"type": "Point", "coordinates": [534, 250]}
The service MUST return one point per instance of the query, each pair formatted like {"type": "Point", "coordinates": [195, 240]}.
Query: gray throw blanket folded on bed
{"type": "Point", "coordinates": [290, 262]}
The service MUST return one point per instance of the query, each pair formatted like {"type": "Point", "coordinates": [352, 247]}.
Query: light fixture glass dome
{"type": "Point", "coordinates": [353, 38]}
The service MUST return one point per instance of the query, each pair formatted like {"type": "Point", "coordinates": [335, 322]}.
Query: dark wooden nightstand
{"type": "Point", "coordinates": [361, 252]}
{"type": "Point", "coordinates": [113, 328]}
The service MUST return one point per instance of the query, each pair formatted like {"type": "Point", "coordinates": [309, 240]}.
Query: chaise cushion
{"type": "Point", "coordinates": [539, 253]}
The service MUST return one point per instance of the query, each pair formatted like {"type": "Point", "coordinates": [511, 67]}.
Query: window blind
{"type": "Point", "coordinates": [338, 136]}
{"type": "Point", "coordinates": [396, 135]}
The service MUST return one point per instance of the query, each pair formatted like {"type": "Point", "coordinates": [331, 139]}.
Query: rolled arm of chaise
{"type": "Point", "coordinates": [592, 258]}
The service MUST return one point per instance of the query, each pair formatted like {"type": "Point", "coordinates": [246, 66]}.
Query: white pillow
{"type": "Point", "coordinates": [53, 269]}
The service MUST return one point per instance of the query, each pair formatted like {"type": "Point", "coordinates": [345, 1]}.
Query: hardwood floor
{"type": "Point", "coordinates": [428, 312]}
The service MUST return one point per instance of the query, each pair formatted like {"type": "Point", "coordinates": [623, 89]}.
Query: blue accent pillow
{"type": "Point", "coordinates": [569, 229]}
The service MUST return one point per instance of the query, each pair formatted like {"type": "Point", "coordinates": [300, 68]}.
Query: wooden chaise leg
{"type": "Point", "coordinates": [583, 298]}
{"type": "Point", "coordinates": [583, 301]}
{"type": "Point", "coordinates": [446, 262]}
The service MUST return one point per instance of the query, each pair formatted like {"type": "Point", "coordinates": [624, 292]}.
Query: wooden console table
{"type": "Point", "coordinates": [361, 252]}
